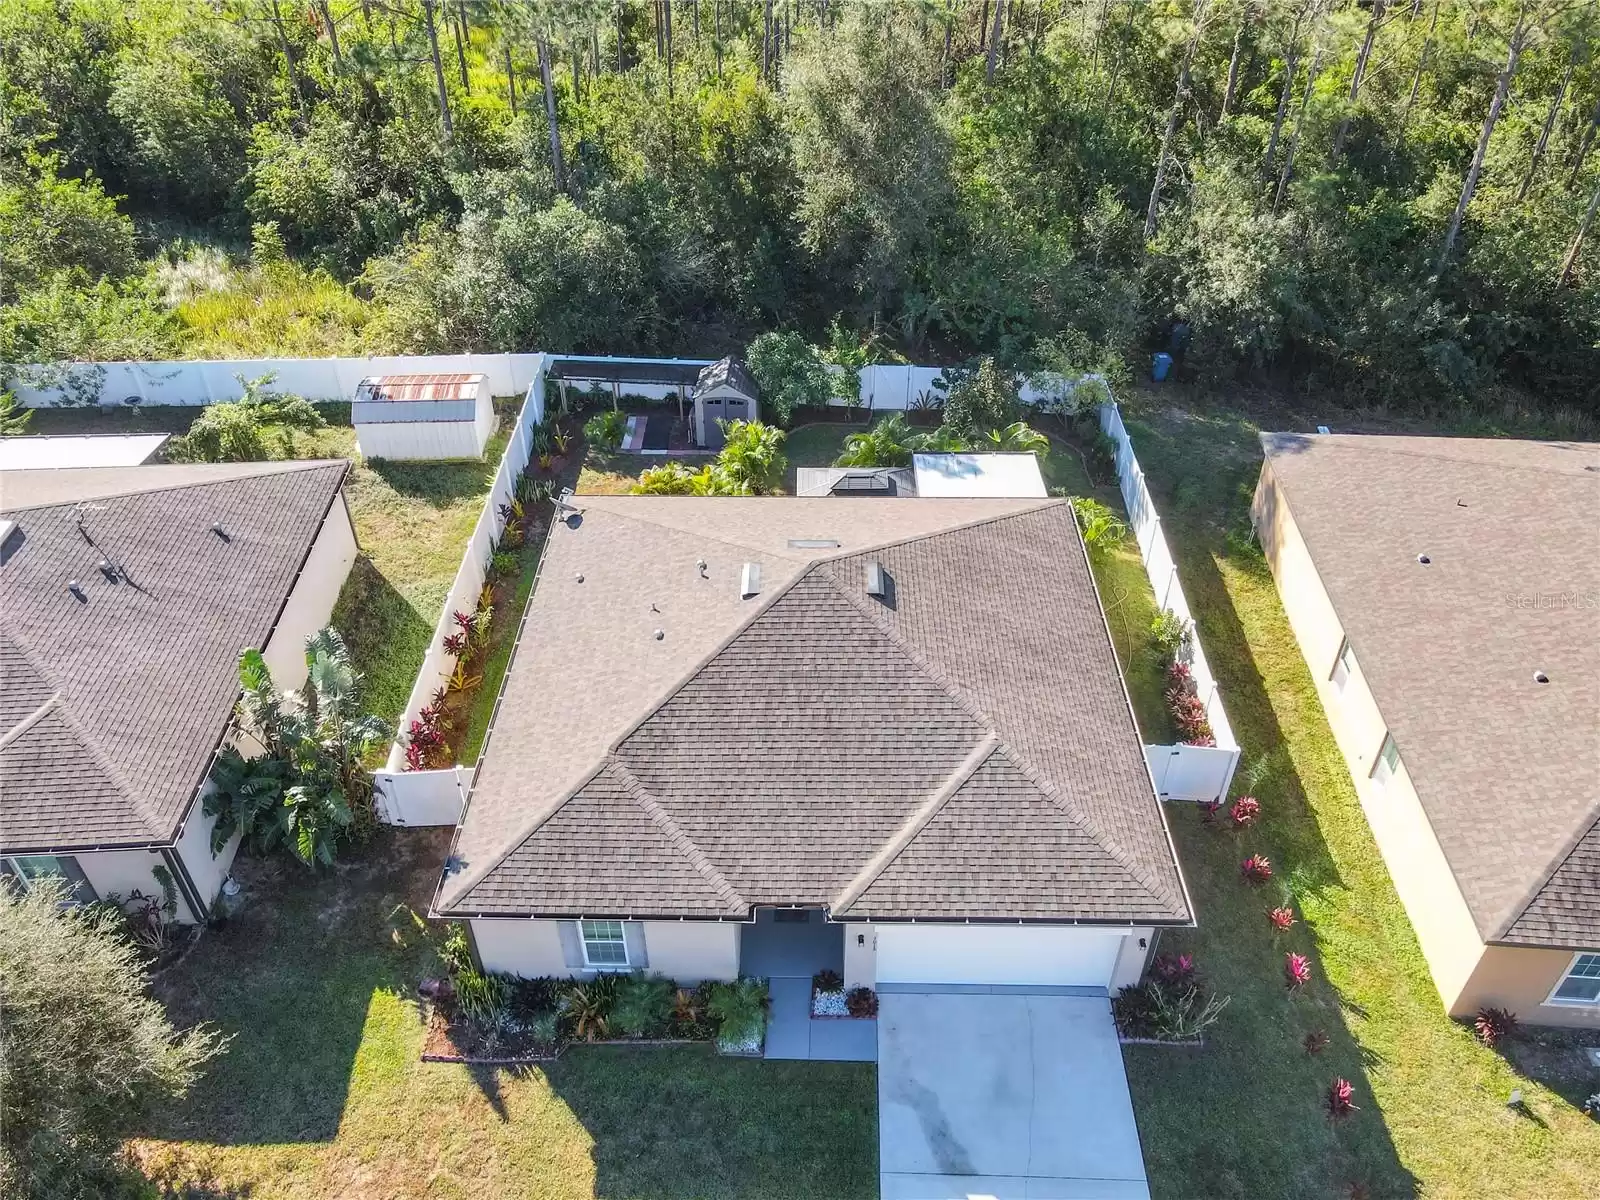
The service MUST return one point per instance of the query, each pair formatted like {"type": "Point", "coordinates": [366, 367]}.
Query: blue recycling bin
{"type": "Point", "coordinates": [1160, 364]}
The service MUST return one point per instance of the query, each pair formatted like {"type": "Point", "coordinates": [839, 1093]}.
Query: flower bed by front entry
{"type": "Point", "coordinates": [830, 1001]}
{"type": "Point", "coordinates": [479, 1017]}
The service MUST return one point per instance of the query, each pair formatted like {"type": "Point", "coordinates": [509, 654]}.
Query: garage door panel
{"type": "Point", "coordinates": [979, 954]}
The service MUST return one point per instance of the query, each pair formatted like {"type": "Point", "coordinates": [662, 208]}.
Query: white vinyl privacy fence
{"type": "Point", "coordinates": [436, 797]}
{"type": "Point", "coordinates": [208, 382]}
{"type": "Point", "coordinates": [1180, 772]}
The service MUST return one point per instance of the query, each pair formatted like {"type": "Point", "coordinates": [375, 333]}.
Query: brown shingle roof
{"type": "Point", "coordinates": [111, 706]}
{"type": "Point", "coordinates": [1507, 769]}
{"type": "Point", "coordinates": [813, 745]}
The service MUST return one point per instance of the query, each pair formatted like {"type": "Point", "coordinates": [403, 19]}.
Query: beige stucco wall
{"type": "Point", "coordinates": [860, 955]}
{"type": "Point", "coordinates": [1132, 958]}
{"type": "Point", "coordinates": [687, 951]}
{"type": "Point", "coordinates": [206, 870]}
{"type": "Point", "coordinates": [123, 872]}
{"type": "Point", "coordinates": [1422, 877]}
{"type": "Point", "coordinates": [310, 604]}
{"type": "Point", "coordinates": [1520, 978]}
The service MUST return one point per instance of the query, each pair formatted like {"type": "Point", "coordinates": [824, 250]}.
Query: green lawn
{"type": "Point", "coordinates": [1244, 1117]}
{"type": "Point", "coordinates": [413, 522]}
{"type": "Point", "coordinates": [322, 1092]}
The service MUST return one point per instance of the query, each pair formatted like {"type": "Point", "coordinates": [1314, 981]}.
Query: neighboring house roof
{"type": "Point", "coordinates": [1507, 769]}
{"type": "Point", "coordinates": [1000, 474]}
{"type": "Point", "coordinates": [855, 481]}
{"type": "Point", "coordinates": [113, 703]}
{"type": "Point", "coordinates": [729, 373]}
{"type": "Point", "coordinates": [396, 399]}
{"type": "Point", "coordinates": [961, 748]}
{"type": "Point", "coordinates": [41, 452]}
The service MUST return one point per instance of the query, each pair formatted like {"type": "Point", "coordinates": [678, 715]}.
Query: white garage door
{"type": "Point", "coordinates": [1017, 954]}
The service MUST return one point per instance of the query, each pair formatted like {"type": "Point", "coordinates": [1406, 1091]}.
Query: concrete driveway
{"type": "Point", "coordinates": [1015, 1094]}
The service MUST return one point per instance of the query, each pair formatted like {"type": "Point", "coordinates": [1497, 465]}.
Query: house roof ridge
{"type": "Point", "coordinates": [283, 467]}
{"type": "Point", "coordinates": [916, 822]}
{"type": "Point", "coordinates": [1519, 908]}
{"type": "Point", "coordinates": [60, 705]}
{"type": "Point", "coordinates": [541, 817]}
{"type": "Point", "coordinates": [1045, 785]}
{"type": "Point", "coordinates": [681, 841]}
{"type": "Point", "coordinates": [1437, 449]}
{"type": "Point", "coordinates": [579, 502]}
{"type": "Point", "coordinates": [993, 519]}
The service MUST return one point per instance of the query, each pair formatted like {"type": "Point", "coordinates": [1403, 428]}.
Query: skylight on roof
{"type": "Point", "coordinates": [814, 544]}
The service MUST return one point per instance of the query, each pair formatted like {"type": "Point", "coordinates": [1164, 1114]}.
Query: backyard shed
{"type": "Point", "coordinates": [724, 392]}
{"type": "Point", "coordinates": [423, 416]}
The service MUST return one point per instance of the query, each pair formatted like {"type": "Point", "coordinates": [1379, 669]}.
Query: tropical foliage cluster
{"type": "Point", "coordinates": [85, 1052]}
{"type": "Point", "coordinates": [1388, 200]}
{"type": "Point", "coordinates": [260, 425]}
{"type": "Point", "coordinates": [308, 789]}
{"type": "Point", "coordinates": [750, 463]}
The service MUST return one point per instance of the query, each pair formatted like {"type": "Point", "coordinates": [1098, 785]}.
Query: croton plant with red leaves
{"type": "Point", "coordinates": [1256, 869]}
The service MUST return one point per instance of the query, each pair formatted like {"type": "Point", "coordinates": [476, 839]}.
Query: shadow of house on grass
{"type": "Point", "coordinates": [1284, 1143]}
{"type": "Point", "coordinates": [674, 1123]}
{"type": "Point", "coordinates": [292, 978]}
{"type": "Point", "coordinates": [386, 635]}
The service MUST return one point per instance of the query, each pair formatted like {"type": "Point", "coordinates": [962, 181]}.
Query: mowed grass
{"type": "Point", "coordinates": [322, 1092]}
{"type": "Point", "coordinates": [1245, 1116]}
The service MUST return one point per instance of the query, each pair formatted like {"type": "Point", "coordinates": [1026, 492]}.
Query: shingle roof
{"type": "Point", "coordinates": [112, 705]}
{"type": "Point", "coordinates": [966, 748]}
{"type": "Point", "coordinates": [726, 372]}
{"type": "Point", "coordinates": [1507, 769]}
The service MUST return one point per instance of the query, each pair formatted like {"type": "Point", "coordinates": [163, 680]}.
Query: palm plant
{"type": "Point", "coordinates": [740, 1011]}
{"type": "Point", "coordinates": [311, 787]}
{"type": "Point", "coordinates": [13, 420]}
{"type": "Point", "coordinates": [887, 444]}
{"type": "Point", "coordinates": [1017, 436]}
{"type": "Point", "coordinates": [752, 456]}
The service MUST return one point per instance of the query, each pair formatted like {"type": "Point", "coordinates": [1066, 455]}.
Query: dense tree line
{"type": "Point", "coordinates": [1391, 200]}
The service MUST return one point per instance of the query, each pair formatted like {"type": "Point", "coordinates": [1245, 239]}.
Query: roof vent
{"type": "Point", "coordinates": [1540, 677]}
{"type": "Point", "coordinates": [108, 569]}
{"type": "Point", "coordinates": [1424, 559]}
{"type": "Point", "coordinates": [700, 565]}
{"type": "Point", "coordinates": [814, 543]}
{"type": "Point", "coordinates": [660, 633]}
{"type": "Point", "coordinates": [877, 580]}
{"type": "Point", "coordinates": [77, 591]}
{"type": "Point", "coordinates": [749, 580]}
{"type": "Point", "coordinates": [221, 532]}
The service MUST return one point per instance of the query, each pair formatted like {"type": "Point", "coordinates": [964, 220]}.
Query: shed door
{"type": "Point", "coordinates": [971, 954]}
{"type": "Point", "coordinates": [713, 411]}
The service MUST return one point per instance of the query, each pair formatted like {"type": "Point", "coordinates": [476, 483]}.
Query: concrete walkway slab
{"type": "Point", "coordinates": [1010, 1095]}
{"type": "Point", "coordinates": [792, 1032]}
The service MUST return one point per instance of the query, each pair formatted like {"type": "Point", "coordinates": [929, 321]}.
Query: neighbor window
{"type": "Point", "coordinates": [1581, 983]}
{"type": "Point", "coordinates": [1388, 762]}
{"type": "Point", "coordinates": [1343, 666]}
{"type": "Point", "coordinates": [28, 869]}
{"type": "Point", "coordinates": [603, 944]}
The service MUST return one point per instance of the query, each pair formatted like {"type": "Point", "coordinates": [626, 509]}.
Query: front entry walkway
{"type": "Point", "coordinates": [787, 954]}
{"type": "Point", "coordinates": [1015, 1095]}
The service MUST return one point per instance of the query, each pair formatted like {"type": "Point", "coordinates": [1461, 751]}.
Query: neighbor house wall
{"type": "Point", "coordinates": [686, 951]}
{"type": "Point", "coordinates": [123, 872]}
{"type": "Point", "coordinates": [310, 604]}
{"type": "Point", "coordinates": [1520, 978]}
{"type": "Point", "coordinates": [1422, 877]}
{"type": "Point", "coordinates": [206, 871]}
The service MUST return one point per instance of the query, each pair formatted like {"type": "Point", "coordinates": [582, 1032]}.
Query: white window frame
{"type": "Point", "coordinates": [1568, 1001]}
{"type": "Point", "coordinates": [1344, 665]}
{"type": "Point", "coordinates": [621, 941]}
{"type": "Point", "coordinates": [79, 889]}
{"type": "Point", "coordinates": [1382, 771]}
